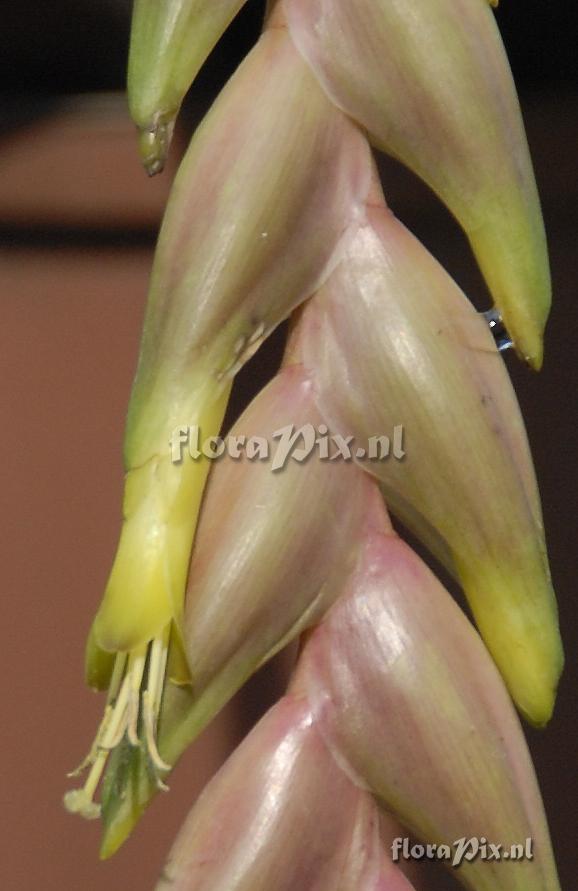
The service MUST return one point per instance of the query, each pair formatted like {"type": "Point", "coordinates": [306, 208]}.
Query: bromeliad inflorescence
{"type": "Point", "coordinates": [276, 203]}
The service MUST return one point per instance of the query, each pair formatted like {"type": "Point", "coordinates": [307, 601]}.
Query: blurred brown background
{"type": "Point", "coordinates": [78, 221]}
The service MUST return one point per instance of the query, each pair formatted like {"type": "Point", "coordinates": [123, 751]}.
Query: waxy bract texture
{"type": "Point", "coordinates": [281, 814]}
{"type": "Point", "coordinates": [390, 339]}
{"type": "Point", "coordinates": [430, 81]}
{"type": "Point", "coordinates": [274, 180]}
{"type": "Point", "coordinates": [408, 697]}
{"type": "Point", "coordinates": [394, 694]}
{"type": "Point", "coordinates": [273, 546]}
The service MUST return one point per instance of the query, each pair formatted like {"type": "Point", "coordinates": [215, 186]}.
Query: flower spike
{"type": "Point", "coordinates": [396, 710]}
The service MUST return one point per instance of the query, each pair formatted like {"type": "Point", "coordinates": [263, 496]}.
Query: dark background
{"type": "Point", "coordinates": [78, 221]}
{"type": "Point", "coordinates": [71, 46]}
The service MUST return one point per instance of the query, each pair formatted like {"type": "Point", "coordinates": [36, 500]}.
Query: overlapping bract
{"type": "Point", "coordinates": [394, 693]}
{"type": "Point", "coordinates": [240, 837]}
{"type": "Point", "coordinates": [430, 81]}
{"type": "Point", "coordinates": [390, 339]}
{"type": "Point", "coordinates": [258, 577]}
{"type": "Point", "coordinates": [410, 698]}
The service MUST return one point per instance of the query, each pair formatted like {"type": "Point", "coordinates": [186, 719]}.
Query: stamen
{"type": "Point", "coordinates": [116, 677]}
{"type": "Point", "coordinates": [157, 668]}
{"type": "Point", "coordinates": [110, 733]}
{"type": "Point", "coordinates": [152, 699]}
{"type": "Point", "coordinates": [136, 667]}
{"type": "Point", "coordinates": [117, 724]}
{"type": "Point", "coordinates": [125, 703]}
{"type": "Point", "coordinates": [152, 750]}
{"type": "Point", "coordinates": [115, 682]}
